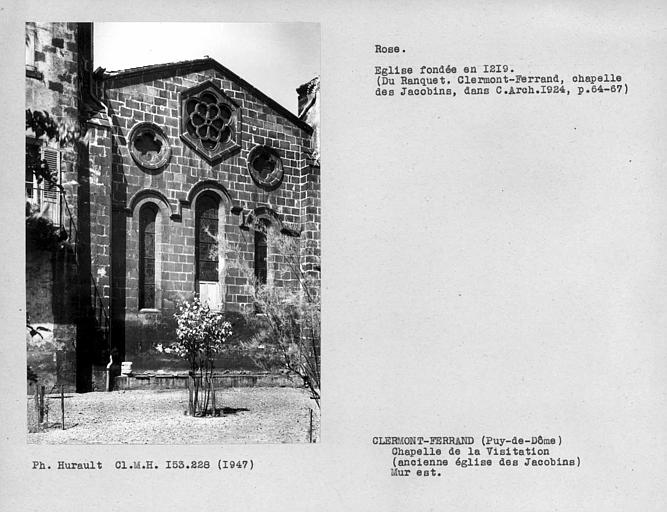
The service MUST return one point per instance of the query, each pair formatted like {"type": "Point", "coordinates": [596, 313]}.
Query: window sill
{"type": "Point", "coordinates": [148, 310]}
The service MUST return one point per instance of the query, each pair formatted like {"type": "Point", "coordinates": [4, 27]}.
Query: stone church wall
{"type": "Point", "coordinates": [154, 98]}
{"type": "Point", "coordinates": [70, 292]}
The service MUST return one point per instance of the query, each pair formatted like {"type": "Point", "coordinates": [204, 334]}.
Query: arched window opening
{"type": "Point", "coordinates": [261, 266]}
{"type": "Point", "coordinates": [147, 217]}
{"type": "Point", "coordinates": [207, 250]}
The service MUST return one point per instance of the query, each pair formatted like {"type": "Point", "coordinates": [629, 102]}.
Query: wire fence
{"type": "Point", "coordinates": [46, 410]}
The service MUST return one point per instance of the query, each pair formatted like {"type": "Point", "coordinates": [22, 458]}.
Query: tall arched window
{"type": "Point", "coordinates": [261, 267]}
{"type": "Point", "coordinates": [147, 216]}
{"type": "Point", "coordinates": [207, 253]}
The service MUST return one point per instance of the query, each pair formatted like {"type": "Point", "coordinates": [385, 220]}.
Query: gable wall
{"type": "Point", "coordinates": [157, 101]}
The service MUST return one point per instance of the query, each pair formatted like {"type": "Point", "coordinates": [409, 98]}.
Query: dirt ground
{"type": "Point", "coordinates": [250, 415]}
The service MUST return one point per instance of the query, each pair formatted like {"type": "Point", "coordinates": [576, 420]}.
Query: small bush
{"type": "Point", "coordinates": [202, 334]}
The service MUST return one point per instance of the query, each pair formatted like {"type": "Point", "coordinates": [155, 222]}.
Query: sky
{"type": "Point", "coordinates": [274, 57]}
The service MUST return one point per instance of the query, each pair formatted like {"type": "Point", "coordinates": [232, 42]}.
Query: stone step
{"type": "Point", "coordinates": [167, 380]}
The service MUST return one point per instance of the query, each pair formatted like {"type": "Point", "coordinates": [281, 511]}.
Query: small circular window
{"type": "Point", "coordinates": [149, 146]}
{"type": "Point", "coordinates": [266, 167]}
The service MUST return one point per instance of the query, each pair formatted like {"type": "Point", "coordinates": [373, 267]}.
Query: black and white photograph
{"type": "Point", "coordinates": [172, 192]}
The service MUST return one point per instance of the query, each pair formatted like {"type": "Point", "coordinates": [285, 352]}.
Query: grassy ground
{"type": "Point", "coordinates": [250, 415]}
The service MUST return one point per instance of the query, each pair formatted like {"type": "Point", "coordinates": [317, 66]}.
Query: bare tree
{"type": "Point", "coordinates": [286, 317]}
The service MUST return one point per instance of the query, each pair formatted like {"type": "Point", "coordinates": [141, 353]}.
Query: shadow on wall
{"type": "Point", "coordinates": [51, 351]}
{"type": "Point", "coordinates": [86, 328]}
{"type": "Point", "coordinates": [118, 242]}
{"type": "Point", "coordinates": [143, 336]}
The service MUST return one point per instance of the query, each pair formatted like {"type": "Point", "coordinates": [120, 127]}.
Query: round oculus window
{"type": "Point", "coordinates": [265, 167]}
{"type": "Point", "coordinates": [149, 146]}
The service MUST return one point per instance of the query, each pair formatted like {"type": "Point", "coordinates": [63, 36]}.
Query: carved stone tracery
{"type": "Point", "coordinates": [210, 122]}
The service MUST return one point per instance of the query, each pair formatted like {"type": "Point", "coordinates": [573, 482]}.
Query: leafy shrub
{"type": "Point", "coordinates": [201, 334]}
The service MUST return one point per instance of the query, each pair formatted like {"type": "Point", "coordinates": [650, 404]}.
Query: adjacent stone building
{"type": "Point", "coordinates": [186, 173]}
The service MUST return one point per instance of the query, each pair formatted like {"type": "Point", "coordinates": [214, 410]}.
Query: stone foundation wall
{"type": "Point", "coordinates": [52, 308]}
{"type": "Point", "coordinates": [170, 380]}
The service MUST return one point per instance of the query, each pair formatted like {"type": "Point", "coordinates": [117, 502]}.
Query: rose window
{"type": "Point", "coordinates": [210, 122]}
